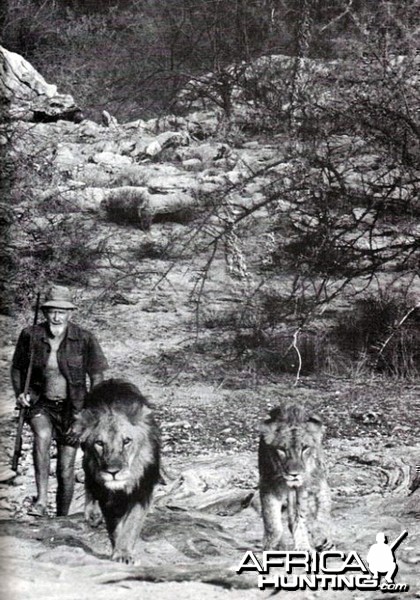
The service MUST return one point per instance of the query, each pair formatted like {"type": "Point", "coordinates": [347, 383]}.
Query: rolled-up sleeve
{"type": "Point", "coordinates": [96, 361]}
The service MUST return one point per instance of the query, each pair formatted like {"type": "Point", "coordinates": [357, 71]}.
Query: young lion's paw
{"type": "Point", "coordinates": [325, 546]}
{"type": "Point", "coordinates": [123, 556]}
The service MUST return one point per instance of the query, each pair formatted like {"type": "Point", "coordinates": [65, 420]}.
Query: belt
{"type": "Point", "coordinates": [56, 401]}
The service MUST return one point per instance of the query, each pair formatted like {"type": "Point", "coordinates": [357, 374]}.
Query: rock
{"type": "Point", "coordinates": [192, 164]}
{"type": "Point", "coordinates": [76, 200]}
{"type": "Point", "coordinates": [207, 153]}
{"type": "Point", "coordinates": [153, 146]}
{"type": "Point", "coordinates": [173, 139]}
{"type": "Point", "coordinates": [166, 180]}
{"type": "Point", "coordinates": [67, 156]}
{"type": "Point", "coordinates": [28, 96]}
{"type": "Point", "coordinates": [111, 159]}
{"type": "Point", "coordinates": [176, 206]}
{"type": "Point", "coordinates": [172, 424]}
{"type": "Point", "coordinates": [19, 480]}
{"type": "Point", "coordinates": [235, 177]}
{"type": "Point", "coordinates": [80, 476]}
{"type": "Point", "coordinates": [153, 149]}
{"type": "Point", "coordinates": [89, 129]}
{"type": "Point", "coordinates": [230, 441]}
{"type": "Point", "coordinates": [108, 120]}
{"type": "Point", "coordinates": [6, 474]}
{"type": "Point", "coordinates": [143, 147]}
{"type": "Point", "coordinates": [5, 505]}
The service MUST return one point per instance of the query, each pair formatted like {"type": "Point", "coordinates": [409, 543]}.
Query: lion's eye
{"type": "Point", "coordinates": [99, 445]}
{"type": "Point", "coordinates": [281, 452]}
{"type": "Point", "coordinates": [127, 441]}
{"type": "Point", "coordinates": [306, 450]}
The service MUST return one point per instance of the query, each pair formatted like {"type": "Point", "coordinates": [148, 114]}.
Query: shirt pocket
{"type": "Point", "coordinates": [76, 370]}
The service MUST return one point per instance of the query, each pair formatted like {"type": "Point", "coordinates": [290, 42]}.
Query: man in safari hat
{"type": "Point", "coordinates": [64, 356]}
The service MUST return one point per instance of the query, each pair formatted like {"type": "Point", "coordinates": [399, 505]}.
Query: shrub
{"type": "Point", "coordinates": [128, 207]}
{"type": "Point", "coordinates": [375, 329]}
{"type": "Point", "coordinates": [50, 249]}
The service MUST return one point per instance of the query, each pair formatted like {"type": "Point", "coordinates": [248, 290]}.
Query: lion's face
{"type": "Point", "coordinates": [117, 450]}
{"type": "Point", "coordinates": [294, 448]}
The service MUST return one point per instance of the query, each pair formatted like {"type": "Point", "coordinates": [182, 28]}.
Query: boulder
{"type": "Point", "coordinates": [136, 206]}
{"type": "Point", "coordinates": [26, 95]}
{"type": "Point", "coordinates": [208, 153]}
{"type": "Point", "coordinates": [150, 147]}
{"type": "Point", "coordinates": [110, 159]}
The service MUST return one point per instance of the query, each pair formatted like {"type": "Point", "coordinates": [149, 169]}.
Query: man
{"type": "Point", "coordinates": [64, 355]}
{"type": "Point", "coordinates": [381, 559]}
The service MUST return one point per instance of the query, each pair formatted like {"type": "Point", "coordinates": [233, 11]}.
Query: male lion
{"type": "Point", "coordinates": [121, 460]}
{"type": "Point", "coordinates": [293, 476]}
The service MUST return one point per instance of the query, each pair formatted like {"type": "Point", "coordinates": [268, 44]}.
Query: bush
{"type": "Point", "coordinates": [374, 331]}
{"type": "Point", "coordinates": [128, 207]}
{"type": "Point", "coordinates": [275, 353]}
{"type": "Point", "coordinates": [28, 26]}
{"type": "Point", "coordinates": [50, 249]}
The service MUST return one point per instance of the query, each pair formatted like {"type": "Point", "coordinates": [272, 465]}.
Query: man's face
{"type": "Point", "coordinates": [57, 319]}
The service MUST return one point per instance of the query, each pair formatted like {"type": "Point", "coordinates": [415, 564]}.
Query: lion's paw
{"type": "Point", "coordinates": [93, 514]}
{"type": "Point", "coordinates": [123, 556]}
{"type": "Point", "coordinates": [325, 545]}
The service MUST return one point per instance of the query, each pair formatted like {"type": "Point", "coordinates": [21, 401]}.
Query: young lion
{"type": "Point", "coordinates": [293, 477]}
{"type": "Point", "coordinates": [121, 460]}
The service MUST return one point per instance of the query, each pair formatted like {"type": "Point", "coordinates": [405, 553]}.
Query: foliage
{"type": "Point", "coordinates": [132, 58]}
{"type": "Point", "coordinates": [342, 203]}
{"type": "Point", "coordinates": [384, 330]}
{"type": "Point", "coordinates": [49, 251]}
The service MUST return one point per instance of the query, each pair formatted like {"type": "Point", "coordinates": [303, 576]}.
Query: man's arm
{"type": "Point", "coordinates": [96, 361]}
{"type": "Point", "coordinates": [95, 379]}
{"type": "Point", "coordinates": [20, 363]}
{"type": "Point", "coordinates": [22, 401]}
{"type": "Point", "coordinates": [16, 380]}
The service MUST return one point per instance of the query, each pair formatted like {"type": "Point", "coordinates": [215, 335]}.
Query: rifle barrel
{"type": "Point", "coordinates": [22, 411]}
{"type": "Point", "coordinates": [398, 540]}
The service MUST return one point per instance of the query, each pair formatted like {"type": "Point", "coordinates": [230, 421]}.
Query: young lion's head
{"type": "Point", "coordinates": [119, 437]}
{"type": "Point", "coordinates": [290, 445]}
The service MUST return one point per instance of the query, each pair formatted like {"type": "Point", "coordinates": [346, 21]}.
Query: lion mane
{"type": "Point", "coordinates": [120, 441]}
{"type": "Point", "coordinates": [293, 477]}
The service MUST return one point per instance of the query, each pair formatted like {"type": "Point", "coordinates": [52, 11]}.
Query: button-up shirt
{"type": "Point", "coordinates": [78, 356]}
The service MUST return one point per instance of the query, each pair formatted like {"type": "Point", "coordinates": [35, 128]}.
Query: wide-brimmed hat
{"type": "Point", "coordinates": [58, 296]}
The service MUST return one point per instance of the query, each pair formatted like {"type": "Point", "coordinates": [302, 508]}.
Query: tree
{"type": "Point", "coordinates": [342, 210]}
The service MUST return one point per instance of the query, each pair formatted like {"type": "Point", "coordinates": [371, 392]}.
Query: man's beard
{"type": "Point", "coordinates": [57, 330]}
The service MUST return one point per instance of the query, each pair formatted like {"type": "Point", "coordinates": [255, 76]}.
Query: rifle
{"type": "Point", "coordinates": [22, 411]}
{"type": "Point", "coordinates": [398, 540]}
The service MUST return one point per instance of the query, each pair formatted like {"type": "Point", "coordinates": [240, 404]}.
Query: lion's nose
{"type": "Point", "coordinates": [293, 471]}
{"type": "Point", "coordinates": [113, 470]}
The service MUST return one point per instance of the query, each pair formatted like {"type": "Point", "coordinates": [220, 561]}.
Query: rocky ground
{"type": "Point", "coordinates": [207, 402]}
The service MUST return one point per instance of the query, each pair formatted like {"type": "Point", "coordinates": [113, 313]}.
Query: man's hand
{"type": "Point", "coordinates": [71, 436]}
{"type": "Point", "coordinates": [23, 400]}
